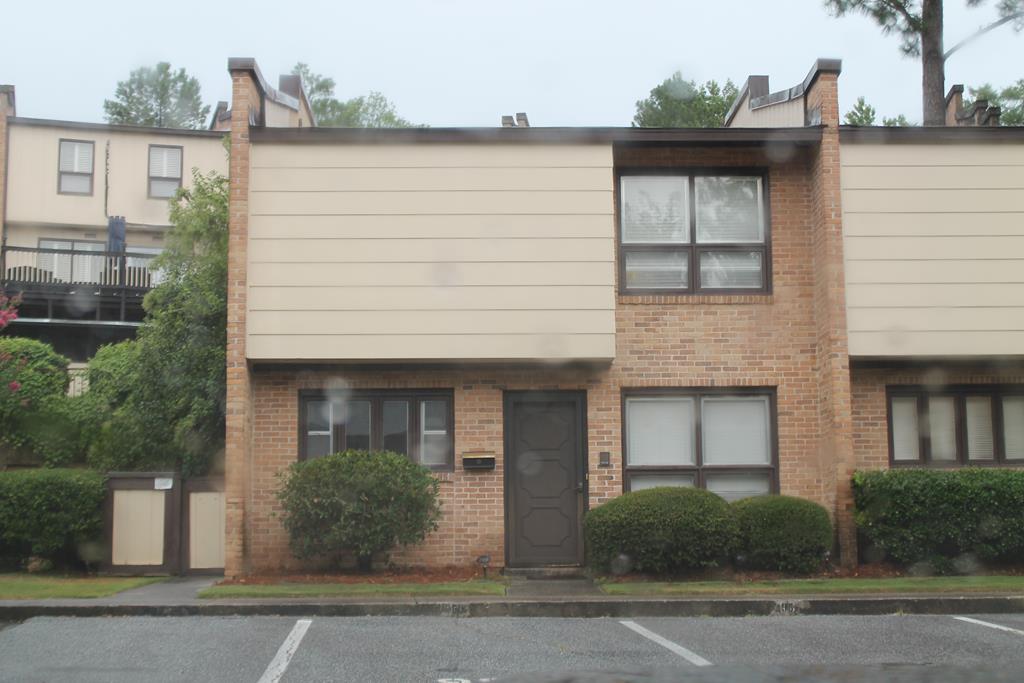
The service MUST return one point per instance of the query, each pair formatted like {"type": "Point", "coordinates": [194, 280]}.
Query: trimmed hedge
{"type": "Point", "coordinates": [357, 503]}
{"type": "Point", "coordinates": [50, 513]}
{"type": "Point", "coordinates": [916, 515]}
{"type": "Point", "coordinates": [782, 533]}
{"type": "Point", "coordinates": [660, 530]}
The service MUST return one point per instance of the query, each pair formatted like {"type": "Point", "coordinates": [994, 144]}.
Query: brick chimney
{"type": "Point", "coordinates": [981, 112]}
{"type": "Point", "coordinates": [517, 121]}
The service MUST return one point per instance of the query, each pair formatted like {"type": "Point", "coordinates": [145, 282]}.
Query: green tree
{"type": "Point", "coordinates": [678, 103]}
{"type": "Point", "coordinates": [158, 96]}
{"type": "Point", "coordinates": [367, 111]}
{"type": "Point", "coordinates": [1010, 100]}
{"type": "Point", "coordinates": [862, 114]}
{"type": "Point", "coordinates": [899, 121]}
{"type": "Point", "coordinates": [171, 412]}
{"type": "Point", "coordinates": [919, 24]}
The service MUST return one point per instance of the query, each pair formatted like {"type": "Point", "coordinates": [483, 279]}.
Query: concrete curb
{"type": "Point", "coordinates": [738, 607]}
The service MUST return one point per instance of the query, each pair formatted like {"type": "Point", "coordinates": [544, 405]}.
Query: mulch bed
{"type": "Point", "coordinates": [384, 576]}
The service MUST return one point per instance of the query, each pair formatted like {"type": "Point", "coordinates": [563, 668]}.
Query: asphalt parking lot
{"type": "Point", "coordinates": [436, 649]}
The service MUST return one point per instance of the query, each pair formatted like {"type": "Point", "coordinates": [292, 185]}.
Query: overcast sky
{"type": "Point", "coordinates": [467, 62]}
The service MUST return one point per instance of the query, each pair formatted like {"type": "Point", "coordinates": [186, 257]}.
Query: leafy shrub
{"type": "Point", "coordinates": [50, 513]}
{"type": "Point", "coordinates": [660, 530]}
{"type": "Point", "coordinates": [31, 372]}
{"type": "Point", "coordinates": [781, 533]}
{"type": "Point", "coordinates": [357, 503]}
{"type": "Point", "coordinates": [60, 431]}
{"type": "Point", "coordinates": [918, 515]}
{"type": "Point", "coordinates": [114, 370]}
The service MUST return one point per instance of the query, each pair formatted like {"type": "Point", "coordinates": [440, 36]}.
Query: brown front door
{"type": "Point", "coordinates": [544, 477]}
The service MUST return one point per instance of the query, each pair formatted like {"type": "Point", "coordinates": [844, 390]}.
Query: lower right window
{"type": "Point", "coordinates": [720, 440]}
{"type": "Point", "coordinates": [957, 425]}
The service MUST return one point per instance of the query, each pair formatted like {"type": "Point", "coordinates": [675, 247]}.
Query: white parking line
{"type": "Point", "coordinates": [691, 657]}
{"type": "Point", "coordinates": [279, 664]}
{"type": "Point", "coordinates": [979, 622]}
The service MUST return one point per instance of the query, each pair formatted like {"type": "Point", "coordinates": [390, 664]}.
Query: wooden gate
{"type": "Point", "coordinates": [157, 523]}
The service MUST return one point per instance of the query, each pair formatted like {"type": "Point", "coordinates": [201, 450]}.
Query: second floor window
{"type": "Point", "coordinates": [75, 167]}
{"type": "Point", "coordinates": [693, 233]}
{"type": "Point", "coordinates": [164, 171]}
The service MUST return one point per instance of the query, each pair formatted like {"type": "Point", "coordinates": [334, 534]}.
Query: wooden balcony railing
{"type": "Point", "coordinates": [30, 268]}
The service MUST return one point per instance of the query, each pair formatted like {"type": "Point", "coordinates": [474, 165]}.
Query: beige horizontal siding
{"type": "Point", "coordinates": [932, 177]}
{"type": "Point", "coordinates": [427, 226]}
{"type": "Point", "coordinates": [934, 248]}
{"type": "Point", "coordinates": [430, 156]}
{"type": "Point", "coordinates": [933, 201]}
{"type": "Point", "coordinates": [272, 203]}
{"type": "Point", "coordinates": [959, 343]}
{"type": "Point", "coordinates": [428, 298]}
{"type": "Point", "coordinates": [967, 157]}
{"type": "Point", "coordinates": [499, 179]}
{"type": "Point", "coordinates": [427, 251]}
{"type": "Point", "coordinates": [363, 323]}
{"type": "Point", "coordinates": [878, 296]}
{"type": "Point", "coordinates": [957, 224]}
{"type": "Point", "coordinates": [433, 347]}
{"type": "Point", "coordinates": [431, 252]}
{"type": "Point", "coordinates": [546, 274]}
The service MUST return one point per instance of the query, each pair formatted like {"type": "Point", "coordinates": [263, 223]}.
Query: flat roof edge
{"type": "Point", "coordinates": [930, 134]}
{"type": "Point", "coordinates": [115, 127]}
{"type": "Point", "coordinates": [538, 135]}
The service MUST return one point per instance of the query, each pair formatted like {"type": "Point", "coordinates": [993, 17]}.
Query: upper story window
{"type": "Point", "coordinates": [719, 439]}
{"type": "Point", "coordinates": [700, 233]}
{"type": "Point", "coordinates": [75, 164]}
{"type": "Point", "coordinates": [418, 424]}
{"type": "Point", "coordinates": [964, 425]}
{"type": "Point", "coordinates": [164, 171]}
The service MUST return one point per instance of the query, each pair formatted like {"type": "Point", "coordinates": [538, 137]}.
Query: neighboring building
{"type": "Point", "coordinates": [85, 208]}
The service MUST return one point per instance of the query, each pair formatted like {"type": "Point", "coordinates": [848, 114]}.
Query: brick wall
{"type": "Point", "coordinates": [835, 453]}
{"type": "Point", "coordinates": [779, 340]}
{"type": "Point", "coordinates": [870, 419]}
{"type": "Point", "coordinates": [245, 99]}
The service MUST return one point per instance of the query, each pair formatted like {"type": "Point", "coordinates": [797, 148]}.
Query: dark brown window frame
{"type": "Point", "coordinates": [377, 397]}
{"type": "Point", "coordinates": [90, 174]}
{"type": "Point", "coordinates": [151, 178]}
{"type": "Point", "coordinates": [698, 469]}
{"type": "Point", "coordinates": [960, 393]}
{"type": "Point", "coordinates": [693, 248]}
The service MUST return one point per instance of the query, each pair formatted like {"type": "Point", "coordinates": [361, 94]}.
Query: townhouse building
{"type": "Point", "coordinates": [84, 210]}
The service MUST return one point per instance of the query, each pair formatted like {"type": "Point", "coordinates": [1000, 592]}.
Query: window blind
{"type": "Point", "coordinates": [661, 430]}
{"type": "Point", "coordinates": [905, 429]}
{"type": "Point", "coordinates": [655, 210]}
{"type": "Point", "coordinates": [942, 427]}
{"type": "Point", "coordinates": [75, 157]}
{"type": "Point", "coordinates": [735, 431]}
{"type": "Point", "coordinates": [728, 209]}
{"type": "Point", "coordinates": [165, 162]}
{"type": "Point", "coordinates": [1013, 427]}
{"type": "Point", "coordinates": [980, 441]}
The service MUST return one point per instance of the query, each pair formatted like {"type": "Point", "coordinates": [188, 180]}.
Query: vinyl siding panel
{"type": "Point", "coordinates": [431, 252]}
{"type": "Point", "coordinates": [934, 248]}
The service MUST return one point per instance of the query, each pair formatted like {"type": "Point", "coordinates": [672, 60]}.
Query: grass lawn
{"type": "Point", "coordinates": [42, 586]}
{"type": "Point", "coordinates": [341, 590]}
{"type": "Point", "coordinates": [931, 584]}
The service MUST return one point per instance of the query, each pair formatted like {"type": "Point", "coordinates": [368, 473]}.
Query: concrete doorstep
{"type": "Point", "coordinates": [593, 607]}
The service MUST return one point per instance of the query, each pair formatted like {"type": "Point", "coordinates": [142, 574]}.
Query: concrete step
{"type": "Point", "coordinates": [545, 573]}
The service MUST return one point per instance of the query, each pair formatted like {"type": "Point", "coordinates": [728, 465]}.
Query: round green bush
{"type": "Point", "coordinates": [661, 530]}
{"type": "Point", "coordinates": [782, 533]}
{"type": "Point", "coordinates": [357, 503]}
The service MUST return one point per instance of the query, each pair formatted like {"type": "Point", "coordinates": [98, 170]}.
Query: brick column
{"type": "Point", "coordinates": [834, 411]}
{"type": "Point", "coordinates": [6, 110]}
{"type": "Point", "coordinates": [238, 438]}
